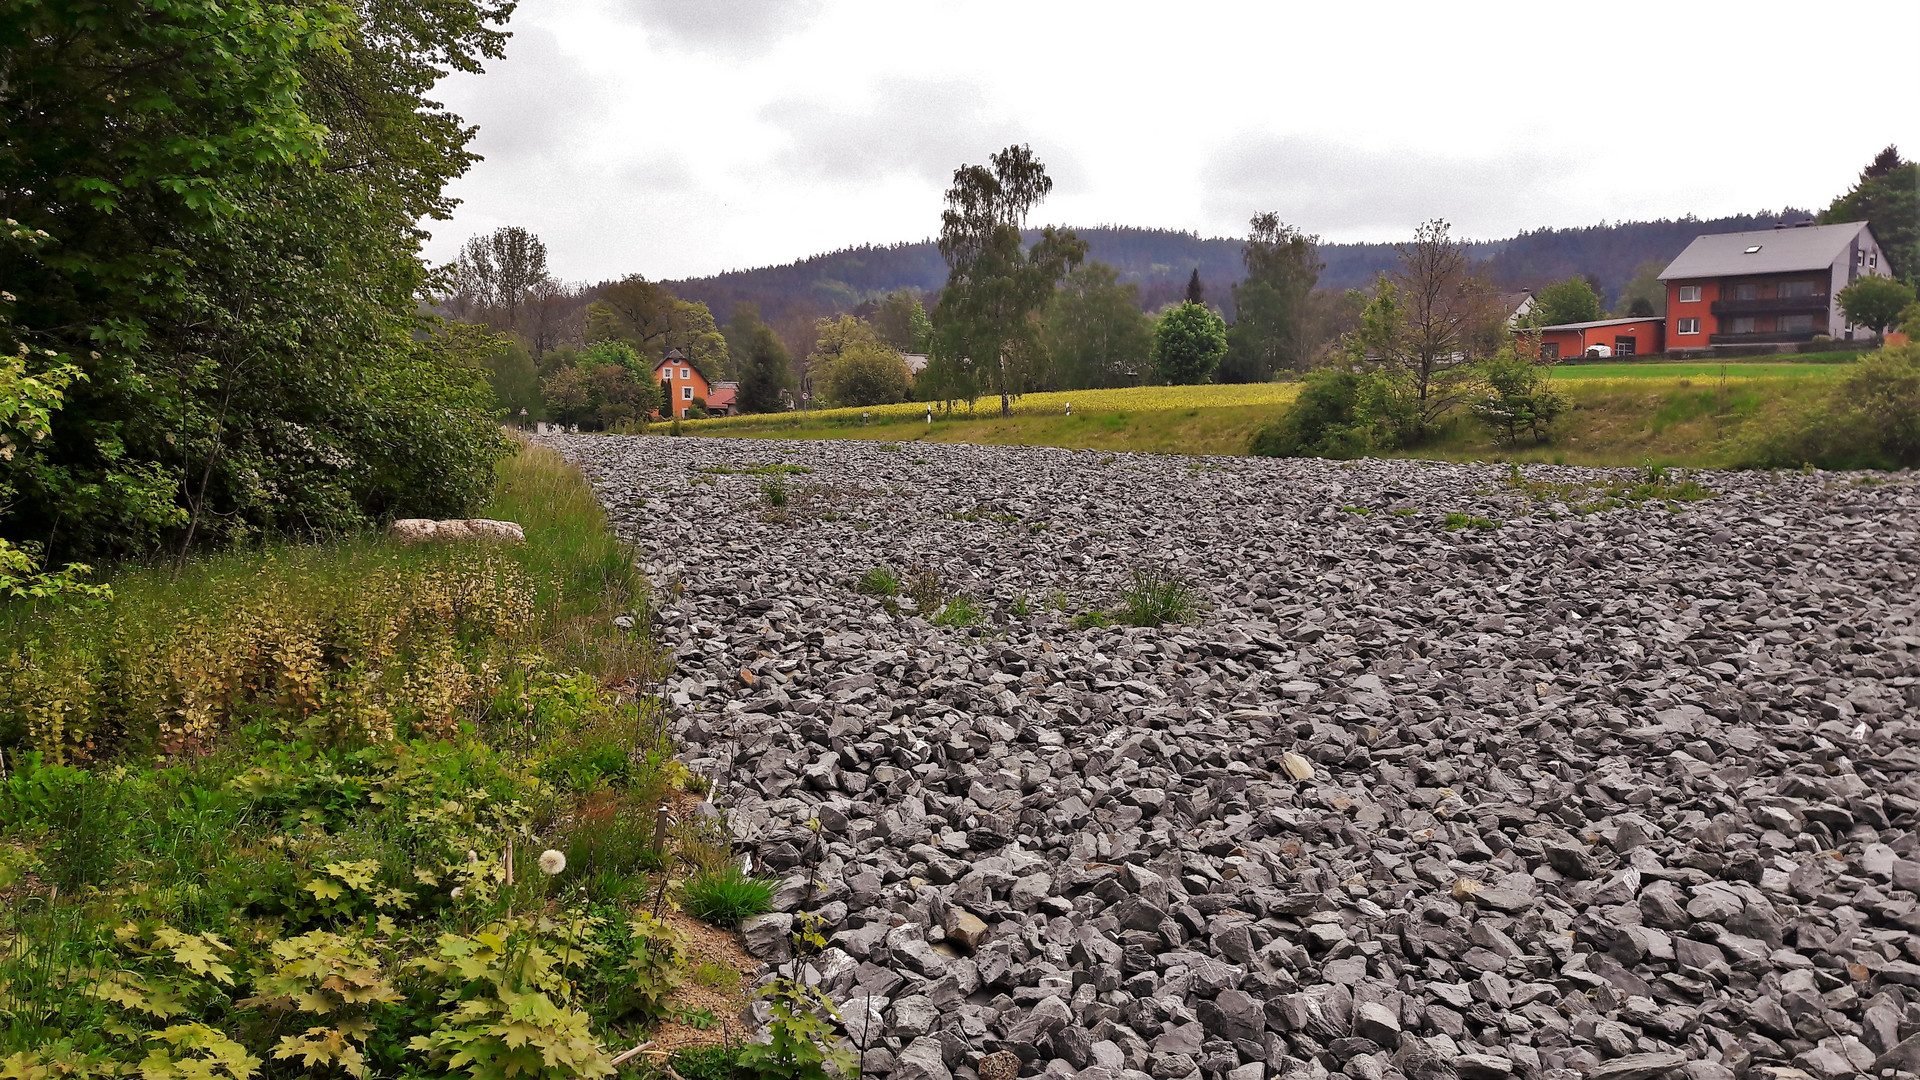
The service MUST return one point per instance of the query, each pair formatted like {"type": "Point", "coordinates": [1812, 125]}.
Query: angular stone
{"type": "Point", "coordinates": [769, 937]}
{"type": "Point", "coordinates": [1232, 1015]}
{"type": "Point", "coordinates": [1638, 1066]}
{"type": "Point", "coordinates": [922, 1059]}
{"type": "Point", "coordinates": [965, 930]}
{"type": "Point", "coordinates": [1376, 1022]}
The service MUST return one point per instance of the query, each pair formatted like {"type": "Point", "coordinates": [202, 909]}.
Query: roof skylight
{"type": "Point", "coordinates": [1753, 249]}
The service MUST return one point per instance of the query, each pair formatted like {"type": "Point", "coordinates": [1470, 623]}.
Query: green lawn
{"type": "Point", "coordinates": [1660, 369]}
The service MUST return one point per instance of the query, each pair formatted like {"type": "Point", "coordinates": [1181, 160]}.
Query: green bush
{"type": "Point", "coordinates": [1518, 399]}
{"type": "Point", "coordinates": [1337, 415]}
{"type": "Point", "coordinates": [1870, 419]}
{"type": "Point", "coordinates": [727, 896]}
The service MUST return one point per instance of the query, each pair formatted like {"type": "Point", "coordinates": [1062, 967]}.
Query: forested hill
{"type": "Point", "coordinates": [1160, 260]}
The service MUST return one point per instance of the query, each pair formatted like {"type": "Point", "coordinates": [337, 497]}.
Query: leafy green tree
{"type": "Point", "coordinates": [988, 330]}
{"type": "Point", "coordinates": [32, 389]}
{"type": "Point", "coordinates": [1644, 295]}
{"type": "Point", "coordinates": [607, 385]}
{"type": "Point", "coordinates": [1273, 315]}
{"type": "Point", "coordinates": [902, 322]}
{"type": "Point", "coordinates": [646, 316]}
{"type": "Point", "coordinates": [1424, 328]}
{"type": "Point", "coordinates": [1096, 333]}
{"type": "Point", "coordinates": [1875, 302]}
{"type": "Point", "coordinates": [850, 365]}
{"type": "Point", "coordinates": [1518, 397]}
{"type": "Point", "coordinates": [835, 335]}
{"type": "Point", "coordinates": [515, 382]}
{"type": "Point", "coordinates": [498, 272]}
{"type": "Point", "coordinates": [766, 371]}
{"type": "Point", "coordinates": [1188, 344]}
{"type": "Point", "coordinates": [1887, 198]}
{"type": "Point", "coordinates": [866, 373]}
{"type": "Point", "coordinates": [1569, 301]}
{"type": "Point", "coordinates": [229, 193]}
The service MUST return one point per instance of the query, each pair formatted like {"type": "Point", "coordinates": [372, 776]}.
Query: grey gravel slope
{"type": "Point", "coordinates": [1625, 794]}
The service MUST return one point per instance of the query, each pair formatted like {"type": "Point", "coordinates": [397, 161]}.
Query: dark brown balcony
{"type": "Point", "coordinates": [1764, 337]}
{"type": "Point", "coordinates": [1772, 305]}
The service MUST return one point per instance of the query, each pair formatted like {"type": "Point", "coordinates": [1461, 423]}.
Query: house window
{"type": "Point", "coordinates": [1796, 324]}
{"type": "Point", "coordinates": [1746, 290]}
{"type": "Point", "coordinates": [1689, 294]}
{"type": "Point", "coordinates": [1873, 261]}
{"type": "Point", "coordinates": [1742, 324]}
{"type": "Point", "coordinates": [686, 393]}
{"type": "Point", "coordinates": [685, 374]}
{"type": "Point", "coordinates": [1687, 326]}
{"type": "Point", "coordinates": [1790, 289]}
{"type": "Point", "coordinates": [1623, 346]}
{"type": "Point", "coordinates": [1550, 350]}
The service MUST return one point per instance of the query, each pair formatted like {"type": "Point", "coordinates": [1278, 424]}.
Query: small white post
{"type": "Point", "coordinates": [1069, 408]}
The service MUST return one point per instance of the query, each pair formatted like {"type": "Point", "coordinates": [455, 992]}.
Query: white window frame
{"type": "Point", "coordinates": [685, 374]}
{"type": "Point", "coordinates": [686, 393]}
{"type": "Point", "coordinates": [1681, 327]}
{"type": "Point", "coordinates": [1686, 299]}
{"type": "Point", "coordinates": [1873, 260]}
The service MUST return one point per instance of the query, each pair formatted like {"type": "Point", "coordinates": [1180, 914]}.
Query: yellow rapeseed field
{"type": "Point", "coordinates": [1053, 403]}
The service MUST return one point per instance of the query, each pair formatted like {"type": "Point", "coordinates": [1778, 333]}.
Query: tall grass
{"type": "Point", "coordinates": [353, 635]}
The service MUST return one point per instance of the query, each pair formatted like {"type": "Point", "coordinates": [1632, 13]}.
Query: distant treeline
{"type": "Point", "coordinates": [790, 297]}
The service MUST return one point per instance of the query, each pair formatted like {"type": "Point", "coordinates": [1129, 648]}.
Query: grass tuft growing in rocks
{"type": "Point", "coordinates": [878, 581]}
{"type": "Point", "coordinates": [1155, 597]}
{"type": "Point", "coordinates": [959, 613]}
{"type": "Point", "coordinates": [727, 896]}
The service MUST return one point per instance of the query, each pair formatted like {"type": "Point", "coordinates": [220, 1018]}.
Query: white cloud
{"type": "Point", "coordinates": [921, 127]}
{"type": "Point", "coordinates": [728, 27]}
{"type": "Point", "coordinates": [1357, 192]}
{"type": "Point", "coordinates": [682, 137]}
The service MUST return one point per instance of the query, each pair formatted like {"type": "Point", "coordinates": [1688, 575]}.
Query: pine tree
{"type": "Point", "coordinates": [1196, 293]}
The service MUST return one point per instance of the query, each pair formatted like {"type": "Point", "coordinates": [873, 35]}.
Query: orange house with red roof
{"type": "Point", "coordinates": [680, 383]}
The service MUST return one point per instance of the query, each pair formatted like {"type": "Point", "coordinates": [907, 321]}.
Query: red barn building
{"type": "Point", "coordinates": [680, 383]}
{"type": "Point", "coordinates": [1775, 289]}
{"type": "Point", "coordinates": [1620, 338]}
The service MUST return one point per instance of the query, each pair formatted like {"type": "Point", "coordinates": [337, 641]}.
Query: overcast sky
{"type": "Point", "coordinates": [676, 138]}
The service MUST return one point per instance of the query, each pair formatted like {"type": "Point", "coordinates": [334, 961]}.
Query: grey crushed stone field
{"type": "Point", "coordinates": [1624, 795]}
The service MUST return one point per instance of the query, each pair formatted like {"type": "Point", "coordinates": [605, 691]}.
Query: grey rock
{"type": "Point", "coordinates": [768, 937]}
{"type": "Point", "coordinates": [922, 1059]}
{"type": "Point", "coordinates": [1482, 1066]}
{"type": "Point", "coordinates": [1376, 1022]}
{"type": "Point", "coordinates": [1233, 1014]}
{"type": "Point", "coordinates": [1638, 1066]}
